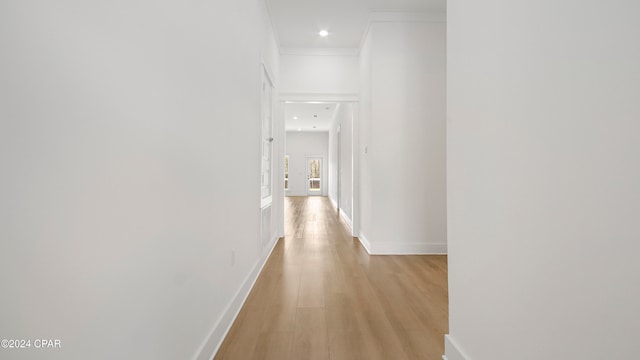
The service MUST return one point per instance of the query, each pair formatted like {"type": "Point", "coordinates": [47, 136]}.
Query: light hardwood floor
{"type": "Point", "coordinates": [321, 296]}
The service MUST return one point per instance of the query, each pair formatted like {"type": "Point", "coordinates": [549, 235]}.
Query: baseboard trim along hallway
{"type": "Point", "coordinates": [402, 248]}
{"type": "Point", "coordinates": [216, 336]}
{"type": "Point", "coordinates": [365, 243]}
{"type": "Point", "coordinates": [343, 214]}
{"type": "Point", "coordinates": [347, 220]}
{"type": "Point", "coordinates": [406, 248]}
{"type": "Point", "coordinates": [452, 350]}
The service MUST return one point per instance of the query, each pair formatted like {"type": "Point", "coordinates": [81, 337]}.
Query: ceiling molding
{"type": "Point", "coordinates": [272, 25]}
{"type": "Point", "coordinates": [400, 16]}
{"type": "Point", "coordinates": [307, 131]}
{"type": "Point", "coordinates": [406, 16]}
{"type": "Point", "coordinates": [321, 97]}
{"type": "Point", "coordinates": [296, 23]}
{"type": "Point", "coordinates": [320, 51]}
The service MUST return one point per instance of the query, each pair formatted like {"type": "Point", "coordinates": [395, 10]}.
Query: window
{"type": "Point", "coordinates": [286, 172]}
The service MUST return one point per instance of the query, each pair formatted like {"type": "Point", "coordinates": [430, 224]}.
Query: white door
{"type": "Point", "coordinates": [314, 176]}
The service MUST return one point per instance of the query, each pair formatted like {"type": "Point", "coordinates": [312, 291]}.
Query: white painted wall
{"type": "Point", "coordinates": [299, 146]}
{"type": "Point", "coordinates": [130, 157]}
{"type": "Point", "coordinates": [271, 57]}
{"type": "Point", "coordinates": [332, 181]}
{"type": "Point", "coordinates": [365, 184]}
{"type": "Point", "coordinates": [403, 130]}
{"type": "Point", "coordinates": [543, 174]}
{"type": "Point", "coordinates": [319, 74]}
{"type": "Point", "coordinates": [279, 142]}
{"type": "Point", "coordinates": [344, 120]}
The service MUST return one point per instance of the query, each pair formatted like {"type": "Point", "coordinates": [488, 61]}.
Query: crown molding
{"type": "Point", "coordinates": [381, 15]}
{"type": "Point", "coordinates": [319, 97]}
{"type": "Point", "coordinates": [320, 51]}
{"type": "Point", "coordinates": [400, 16]}
{"type": "Point", "coordinates": [267, 7]}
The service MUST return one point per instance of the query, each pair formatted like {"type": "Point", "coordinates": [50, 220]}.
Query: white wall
{"type": "Point", "coordinates": [332, 181]}
{"type": "Point", "coordinates": [130, 157]}
{"type": "Point", "coordinates": [271, 57]}
{"type": "Point", "coordinates": [403, 131]}
{"type": "Point", "coordinates": [299, 146]}
{"type": "Point", "coordinates": [319, 74]}
{"type": "Point", "coordinates": [365, 184]}
{"type": "Point", "coordinates": [279, 142]}
{"type": "Point", "coordinates": [344, 120]}
{"type": "Point", "coordinates": [543, 174]}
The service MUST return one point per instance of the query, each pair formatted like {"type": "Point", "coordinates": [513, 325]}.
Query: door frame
{"type": "Point", "coordinates": [357, 152]}
{"type": "Point", "coordinates": [323, 175]}
{"type": "Point", "coordinates": [339, 167]}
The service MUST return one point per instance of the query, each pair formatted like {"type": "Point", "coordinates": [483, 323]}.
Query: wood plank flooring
{"type": "Point", "coordinates": [321, 296]}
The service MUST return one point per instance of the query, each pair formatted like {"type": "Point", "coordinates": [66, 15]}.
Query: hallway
{"type": "Point", "coordinates": [321, 296]}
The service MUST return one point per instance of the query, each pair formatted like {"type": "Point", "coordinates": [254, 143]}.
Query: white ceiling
{"type": "Point", "coordinates": [297, 22]}
{"type": "Point", "coordinates": [308, 116]}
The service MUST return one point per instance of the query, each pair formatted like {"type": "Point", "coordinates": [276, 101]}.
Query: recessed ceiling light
{"type": "Point", "coordinates": [299, 129]}
{"type": "Point", "coordinates": [295, 118]}
{"type": "Point", "coordinates": [323, 33]}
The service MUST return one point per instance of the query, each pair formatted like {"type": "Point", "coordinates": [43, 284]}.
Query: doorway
{"type": "Point", "coordinates": [321, 145]}
{"type": "Point", "coordinates": [314, 176]}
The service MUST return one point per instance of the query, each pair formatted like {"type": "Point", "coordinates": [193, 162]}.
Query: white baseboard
{"type": "Point", "coordinates": [393, 248]}
{"type": "Point", "coordinates": [212, 343]}
{"type": "Point", "coordinates": [365, 243]}
{"type": "Point", "coordinates": [402, 248]}
{"type": "Point", "coordinates": [342, 214]}
{"type": "Point", "coordinates": [452, 350]}
{"type": "Point", "coordinates": [346, 220]}
{"type": "Point", "coordinates": [333, 202]}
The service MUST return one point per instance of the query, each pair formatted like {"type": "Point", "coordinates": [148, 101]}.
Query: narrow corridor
{"type": "Point", "coordinates": [321, 296]}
